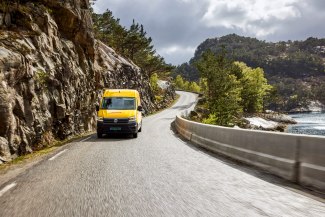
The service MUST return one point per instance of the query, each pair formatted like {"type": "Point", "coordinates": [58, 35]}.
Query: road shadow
{"type": "Point", "coordinates": [183, 107]}
{"type": "Point", "coordinates": [109, 138]}
{"type": "Point", "coordinates": [168, 119]}
{"type": "Point", "coordinates": [253, 170]}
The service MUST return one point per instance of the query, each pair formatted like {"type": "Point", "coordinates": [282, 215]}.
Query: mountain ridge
{"type": "Point", "coordinates": [295, 68]}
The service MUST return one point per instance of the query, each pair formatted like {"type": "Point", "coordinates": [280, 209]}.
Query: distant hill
{"type": "Point", "coordinates": [296, 68]}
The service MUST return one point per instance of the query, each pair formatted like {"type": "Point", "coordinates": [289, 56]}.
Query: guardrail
{"type": "Point", "coordinates": [297, 158]}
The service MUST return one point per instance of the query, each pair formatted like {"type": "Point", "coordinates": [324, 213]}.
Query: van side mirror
{"type": "Point", "coordinates": [140, 108]}
{"type": "Point", "coordinates": [97, 107]}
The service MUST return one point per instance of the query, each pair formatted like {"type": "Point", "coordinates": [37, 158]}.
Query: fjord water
{"type": "Point", "coordinates": [308, 123]}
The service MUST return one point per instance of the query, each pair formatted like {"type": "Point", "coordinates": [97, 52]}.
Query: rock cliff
{"type": "Point", "coordinates": [52, 73]}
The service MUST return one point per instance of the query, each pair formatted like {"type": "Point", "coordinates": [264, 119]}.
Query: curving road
{"type": "Point", "coordinates": [157, 174]}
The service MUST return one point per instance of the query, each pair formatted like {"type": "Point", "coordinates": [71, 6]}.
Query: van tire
{"type": "Point", "coordinates": [99, 135]}
{"type": "Point", "coordinates": [135, 135]}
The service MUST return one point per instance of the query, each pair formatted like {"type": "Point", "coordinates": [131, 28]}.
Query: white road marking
{"type": "Point", "coordinates": [7, 188]}
{"type": "Point", "coordinates": [85, 139]}
{"type": "Point", "coordinates": [58, 154]}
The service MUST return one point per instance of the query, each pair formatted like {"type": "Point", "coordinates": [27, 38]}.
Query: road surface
{"type": "Point", "coordinates": [157, 174]}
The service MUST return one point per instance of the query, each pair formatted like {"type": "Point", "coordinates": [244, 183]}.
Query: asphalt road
{"type": "Point", "coordinates": [157, 174]}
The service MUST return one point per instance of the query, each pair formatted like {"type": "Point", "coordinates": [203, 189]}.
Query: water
{"type": "Point", "coordinates": [308, 123]}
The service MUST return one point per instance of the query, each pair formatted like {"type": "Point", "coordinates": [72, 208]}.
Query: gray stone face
{"type": "Point", "coordinates": [4, 150]}
{"type": "Point", "coordinates": [53, 73]}
{"type": "Point", "coordinates": [1, 19]}
{"type": "Point", "coordinates": [7, 19]}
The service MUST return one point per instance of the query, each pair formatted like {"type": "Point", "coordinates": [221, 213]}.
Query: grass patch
{"type": "Point", "coordinates": [41, 77]}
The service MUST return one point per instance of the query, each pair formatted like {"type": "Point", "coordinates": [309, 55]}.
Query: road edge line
{"type": "Point", "coordinates": [7, 188]}
{"type": "Point", "coordinates": [58, 154]}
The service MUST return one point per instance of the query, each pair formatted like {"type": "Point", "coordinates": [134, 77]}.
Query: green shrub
{"type": "Point", "coordinates": [41, 77]}
{"type": "Point", "coordinates": [154, 82]}
{"type": "Point", "coordinates": [158, 98]}
{"type": "Point", "coordinates": [212, 119]}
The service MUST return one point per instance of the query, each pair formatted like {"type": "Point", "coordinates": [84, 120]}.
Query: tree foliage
{"type": "Point", "coordinates": [230, 88]}
{"type": "Point", "coordinates": [179, 82]}
{"type": "Point", "coordinates": [182, 84]}
{"type": "Point", "coordinates": [254, 88]}
{"type": "Point", "coordinates": [223, 87]}
{"type": "Point", "coordinates": [132, 43]}
{"type": "Point", "coordinates": [194, 87]}
{"type": "Point", "coordinates": [154, 82]}
{"type": "Point", "coordinates": [295, 68]}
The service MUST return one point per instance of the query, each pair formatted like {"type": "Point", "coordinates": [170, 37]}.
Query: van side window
{"type": "Point", "coordinates": [106, 103]}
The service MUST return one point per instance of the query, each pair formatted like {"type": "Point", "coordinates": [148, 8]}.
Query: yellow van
{"type": "Point", "coordinates": [120, 111]}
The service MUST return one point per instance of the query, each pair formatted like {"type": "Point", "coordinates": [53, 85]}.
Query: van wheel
{"type": "Point", "coordinates": [99, 135]}
{"type": "Point", "coordinates": [135, 135]}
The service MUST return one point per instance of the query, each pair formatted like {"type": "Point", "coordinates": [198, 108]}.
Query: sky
{"type": "Point", "coordinates": [177, 27]}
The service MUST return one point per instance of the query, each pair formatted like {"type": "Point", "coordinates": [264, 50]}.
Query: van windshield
{"type": "Point", "coordinates": [118, 103]}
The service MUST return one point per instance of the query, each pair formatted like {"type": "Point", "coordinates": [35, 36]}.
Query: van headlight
{"type": "Point", "coordinates": [132, 119]}
{"type": "Point", "coordinates": [100, 119]}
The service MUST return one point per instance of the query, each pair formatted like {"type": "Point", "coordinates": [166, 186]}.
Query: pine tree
{"type": "Point", "coordinates": [132, 43]}
{"type": "Point", "coordinates": [223, 87]}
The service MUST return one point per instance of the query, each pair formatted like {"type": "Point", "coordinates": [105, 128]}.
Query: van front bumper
{"type": "Point", "coordinates": [110, 128]}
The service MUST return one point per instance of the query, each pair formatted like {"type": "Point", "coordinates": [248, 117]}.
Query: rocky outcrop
{"type": "Point", "coordinates": [278, 117]}
{"type": "Point", "coordinates": [52, 73]}
{"type": "Point", "coordinates": [313, 106]}
{"type": "Point", "coordinates": [167, 94]}
{"type": "Point", "coordinates": [258, 123]}
{"type": "Point", "coordinates": [270, 121]}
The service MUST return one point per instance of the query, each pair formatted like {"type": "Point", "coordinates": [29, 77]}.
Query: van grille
{"type": "Point", "coordinates": [119, 121]}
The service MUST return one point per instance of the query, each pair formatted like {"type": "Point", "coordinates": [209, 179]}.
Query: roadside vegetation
{"type": "Point", "coordinates": [230, 90]}
{"type": "Point", "coordinates": [294, 68]}
{"type": "Point", "coordinates": [182, 84]}
{"type": "Point", "coordinates": [134, 44]}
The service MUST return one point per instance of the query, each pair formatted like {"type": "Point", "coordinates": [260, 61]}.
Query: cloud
{"type": "Point", "coordinates": [177, 49]}
{"type": "Point", "coordinates": [176, 52]}
{"type": "Point", "coordinates": [178, 26]}
{"type": "Point", "coordinates": [253, 16]}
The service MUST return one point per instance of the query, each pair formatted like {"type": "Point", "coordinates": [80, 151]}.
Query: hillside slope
{"type": "Point", "coordinates": [296, 68]}
{"type": "Point", "coordinates": [52, 72]}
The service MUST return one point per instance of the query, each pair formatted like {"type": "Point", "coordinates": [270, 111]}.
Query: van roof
{"type": "Point", "coordinates": [120, 93]}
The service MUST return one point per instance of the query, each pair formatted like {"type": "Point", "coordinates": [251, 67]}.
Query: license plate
{"type": "Point", "coordinates": [115, 128]}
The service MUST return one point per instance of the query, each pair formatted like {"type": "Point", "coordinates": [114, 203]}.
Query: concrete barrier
{"type": "Point", "coordinates": [311, 152]}
{"type": "Point", "coordinates": [297, 158]}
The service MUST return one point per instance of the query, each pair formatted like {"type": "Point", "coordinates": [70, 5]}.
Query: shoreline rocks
{"type": "Point", "coordinates": [279, 117]}
{"type": "Point", "coordinates": [314, 106]}
{"type": "Point", "coordinates": [269, 121]}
